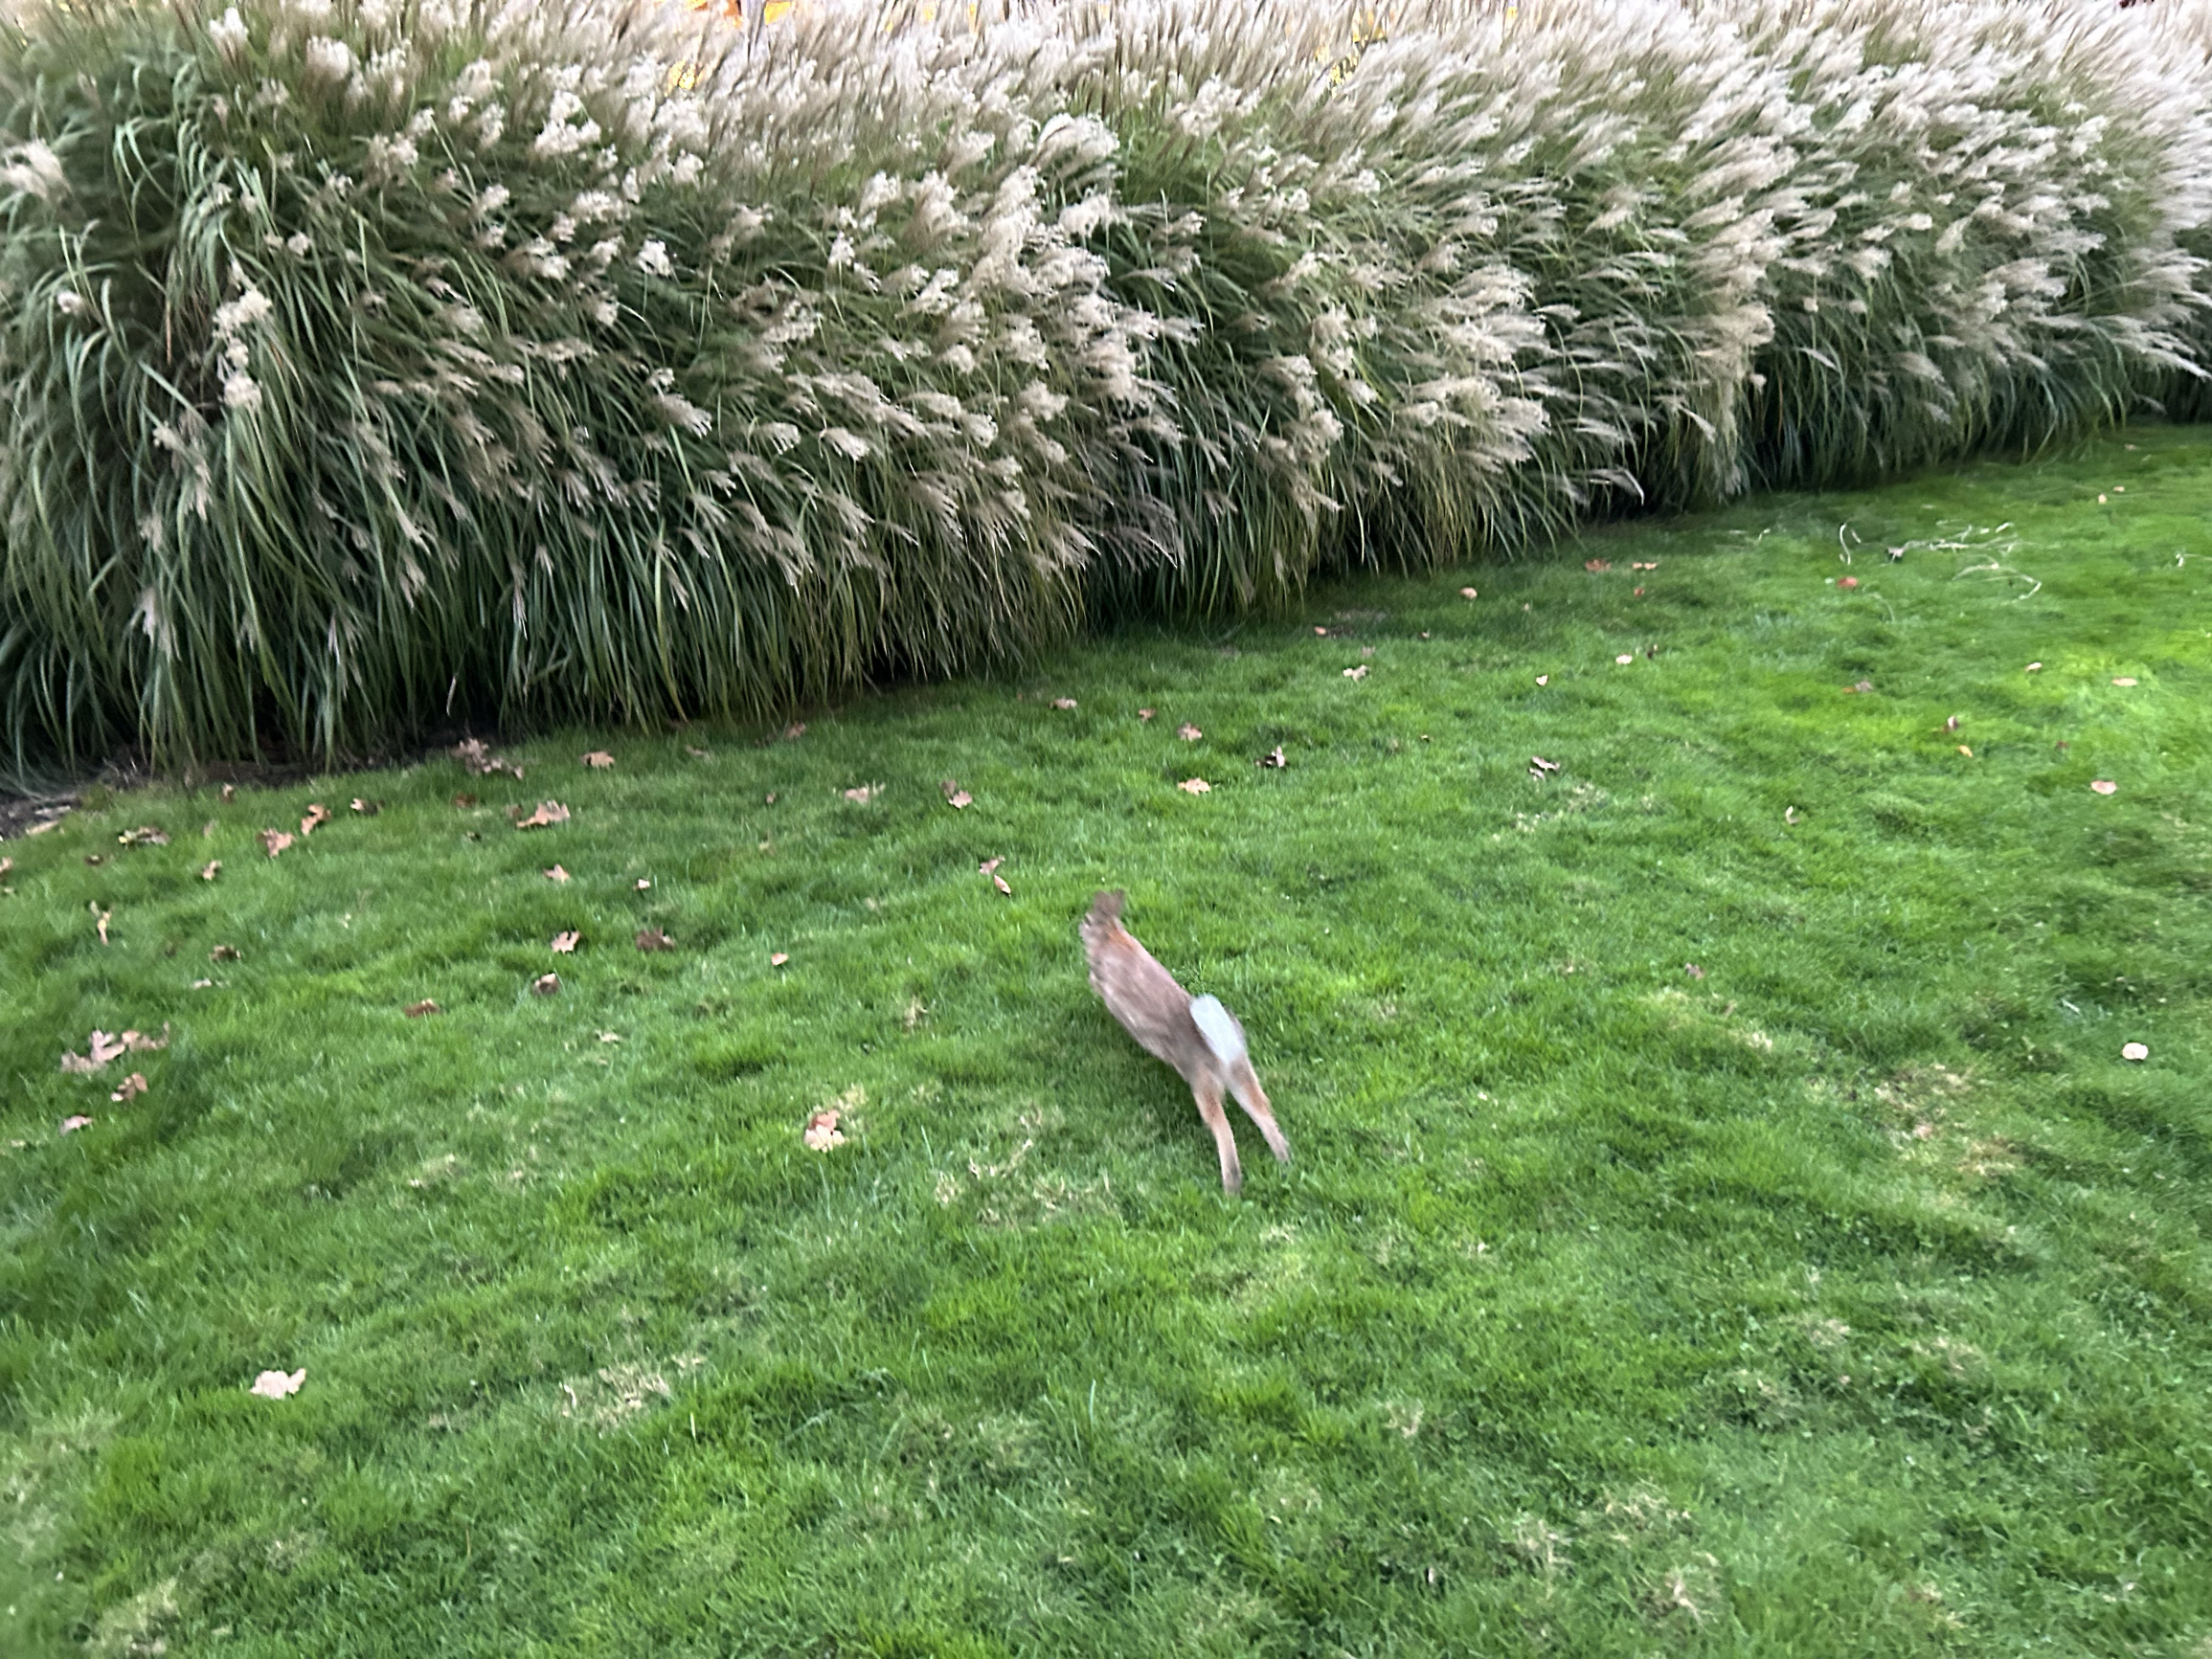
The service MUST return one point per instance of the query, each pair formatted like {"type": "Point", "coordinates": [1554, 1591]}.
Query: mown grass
{"type": "Point", "coordinates": [1850, 1298]}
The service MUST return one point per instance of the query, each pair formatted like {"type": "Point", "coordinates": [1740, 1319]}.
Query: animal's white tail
{"type": "Point", "coordinates": [1220, 1029]}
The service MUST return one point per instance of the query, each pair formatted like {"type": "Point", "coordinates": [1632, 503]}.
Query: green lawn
{"type": "Point", "coordinates": [1846, 1292]}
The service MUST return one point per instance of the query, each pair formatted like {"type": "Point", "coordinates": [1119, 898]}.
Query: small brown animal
{"type": "Point", "coordinates": [1196, 1035]}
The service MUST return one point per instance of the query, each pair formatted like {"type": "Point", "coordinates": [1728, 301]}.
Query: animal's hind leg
{"type": "Point", "coordinates": [1254, 1099]}
{"type": "Point", "coordinates": [1207, 1092]}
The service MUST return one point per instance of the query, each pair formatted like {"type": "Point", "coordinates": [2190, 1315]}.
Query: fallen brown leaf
{"type": "Point", "coordinates": [1644, 564]}
{"type": "Point", "coordinates": [1693, 970]}
{"type": "Point", "coordinates": [97, 1052]}
{"type": "Point", "coordinates": [1063, 703]}
{"type": "Point", "coordinates": [1967, 752]}
{"type": "Point", "coordinates": [778, 958]}
{"type": "Point", "coordinates": [1848, 582]}
{"type": "Point", "coordinates": [644, 883]}
{"type": "Point", "coordinates": [275, 1385]}
{"type": "Point", "coordinates": [318, 815]}
{"type": "Point", "coordinates": [154, 835]}
{"type": "Point", "coordinates": [1359, 673]}
{"type": "Point", "coordinates": [1864, 685]}
{"type": "Point", "coordinates": [556, 874]}
{"type": "Point", "coordinates": [1188, 732]}
{"type": "Point", "coordinates": [988, 866]}
{"type": "Point", "coordinates": [2138, 1052]}
{"type": "Point", "coordinates": [564, 944]}
{"type": "Point", "coordinates": [1146, 713]}
{"type": "Point", "coordinates": [71, 1125]}
{"type": "Point", "coordinates": [1195, 786]}
{"type": "Point", "coordinates": [212, 868]}
{"type": "Point", "coordinates": [6, 865]}
{"type": "Point", "coordinates": [598, 760]}
{"type": "Point", "coordinates": [865, 793]}
{"type": "Point", "coordinates": [366, 808]}
{"type": "Point", "coordinates": [793, 732]}
{"type": "Point", "coordinates": [1274, 757]}
{"type": "Point", "coordinates": [465, 802]}
{"type": "Point", "coordinates": [653, 939]}
{"type": "Point", "coordinates": [417, 1010]}
{"type": "Point", "coordinates": [274, 841]}
{"type": "Point", "coordinates": [2126, 680]}
{"type": "Point", "coordinates": [2104, 786]}
{"type": "Point", "coordinates": [956, 797]}
{"type": "Point", "coordinates": [1950, 724]}
{"type": "Point", "coordinates": [2033, 668]}
{"type": "Point", "coordinates": [230, 791]}
{"type": "Point", "coordinates": [93, 859]}
{"type": "Point", "coordinates": [139, 1042]}
{"type": "Point", "coordinates": [1544, 679]}
{"type": "Point", "coordinates": [100, 925]}
{"type": "Point", "coordinates": [1321, 633]}
{"type": "Point", "coordinates": [1467, 593]}
{"type": "Point", "coordinates": [223, 954]}
{"type": "Point", "coordinates": [1597, 565]}
{"type": "Point", "coordinates": [548, 811]}
{"type": "Point", "coordinates": [472, 753]}
{"type": "Point", "coordinates": [822, 1132]}
{"type": "Point", "coordinates": [133, 1088]}
{"type": "Point", "coordinates": [1000, 882]}
{"type": "Point", "coordinates": [545, 985]}
{"type": "Point", "coordinates": [1538, 765]}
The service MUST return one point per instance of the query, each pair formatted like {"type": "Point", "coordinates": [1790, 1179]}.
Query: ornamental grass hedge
{"type": "Point", "coordinates": [368, 367]}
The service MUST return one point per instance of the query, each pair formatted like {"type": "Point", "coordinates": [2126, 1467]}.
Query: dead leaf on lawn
{"type": "Point", "coordinates": [793, 732]}
{"type": "Point", "coordinates": [1951, 724]}
{"type": "Point", "coordinates": [211, 870]}
{"type": "Point", "coordinates": [598, 760]}
{"type": "Point", "coordinates": [644, 884]}
{"type": "Point", "coordinates": [417, 1010]}
{"type": "Point", "coordinates": [545, 985]}
{"type": "Point", "coordinates": [956, 797]}
{"type": "Point", "coordinates": [1848, 582]}
{"type": "Point", "coordinates": [154, 835]}
{"type": "Point", "coordinates": [865, 793]}
{"type": "Point", "coordinates": [276, 1384]}
{"type": "Point", "coordinates": [653, 939]}
{"type": "Point", "coordinates": [318, 815]}
{"type": "Point", "coordinates": [1790, 814]}
{"type": "Point", "coordinates": [465, 802]}
{"type": "Point", "coordinates": [988, 866]}
{"type": "Point", "coordinates": [133, 1088]}
{"type": "Point", "coordinates": [1359, 673]}
{"type": "Point", "coordinates": [556, 874]}
{"type": "Point", "coordinates": [1864, 685]}
{"type": "Point", "coordinates": [1467, 592]}
{"type": "Point", "coordinates": [139, 1042]}
{"type": "Point", "coordinates": [2033, 668]}
{"type": "Point", "coordinates": [1596, 565]}
{"type": "Point", "coordinates": [609, 1037]}
{"type": "Point", "coordinates": [6, 865]}
{"type": "Point", "coordinates": [472, 753]}
{"type": "Point", "coordinates": [366, 808]}
{"type": "Point", "coordinates": [71, 1125]}
{"type": "Point", "coordinates": [2104, 786]}
{"type": "Point", "coordinates": [1644, 564]}
{"type": "Point", "coordinates": [203, 984]}
{"type": "Point", "coordinates": [230, 791]}
{"type": "Point", "coordinates": [548, 811]}
{"type": "Point", "coordinates": [1063, 703]}
{"type": "Point", "coordinates": [1195, 786]}
{"type": "Point", "coordinates": [2125, 680]}
{"type": "Point", "coordinates": [223, 954]}
{"type": "Point", "coordinates": [1538, 765]}
{"type": "Point", "coordinates": [822, 1132]}
{"type": "Point", "coordinates": [2135, 1052]}
{"type": "Point", "coordinates": [1967, 752]}
{"type": "Point", "coordinates": [274, 841]}
{"type": "Point", "coordinates": [778, 958]}
{"type": "Point", "coordinates": [1693, 970]}
{"type": "Point", "coordinates": [999, 882]}
{"type": "Point", "coordinates": [1146, 713]}
{"type": "Point", "coordinates": [1274, 757]}
{"type": "Point", "coordinates": [1544, 679]}
{"type": "Point", "coordinates": [1321, 633]}
{"type": "Point", "coordinates": [698, 753]}
{"type": "Point", "coordinates": [1625, 659]}
{"type": "Point", "coordinates": [565, 944]}
{"type": "Point", "coordinates": [100, 921]}
{"type": "Point", "coordinates": [1188, 734]}
{"type": "Point", "coordinates": [94, 860]}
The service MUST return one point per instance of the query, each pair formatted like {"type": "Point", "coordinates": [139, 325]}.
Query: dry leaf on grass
{"type": "Point", "coordinates": [548, 811]}
{"type": "Point", "coordinates": [465, 802]}
{"type": "Point", "coordinates": [1359, 673]}
{"type": "Point", "coordinates": [999, 882]}
{"type": "Point", "coordinates": [417, 1010]}
{"type": "Point", "coordinates": [1320, 633]}
{"type": "Point", "coordinates": [472, 753]}
{"type": "Point", "coordinates": [2134, 1051]}
{"type": "Point", "coordinates": [1467, 593]}
{"type": "Point", "coordinates": [1063, 703]}
{"type": "Point", "coordinates": [1538, 765]}
{"type": "Point", "coordinates": [212, 868]}
{"type": "Point", "coordinates": [793, 732]}
{"type": "Point", "coordinates": [1693, 970]}
{"type": "Point", "coordinates": [276, 1384]}
{"type": "Point", "coordinates": [1644, 564]}
{"type": "Point", "coordinates": [102, 1049]}
{"type": "Point", "coordinates": [698, 753]}
{"type": "Point", "coordinates": [609, 1037]}
{"type": "Point", "coordinates": [565, 944]}
{"type": "Point", "coordinates": [274, 841]}
{"type": "Point", "coordinates": [1967, 752]}
{"type": "Point", "coordinates": [1274, 757]}
{"type": "Point", "coordinates": [822, 1132]}
{"type": "Point", "coordinates": [100, 921]}
{"type": "Point", "coordinates": [2125, 680]}
{"type": "Point", "coordinates": [1146, 713]}
{"type": "Point", "coordinates": [778, 958]}
{"type": "Point", "coordinates": [556, 874]}
{"type": "Point", "coordinates": [318, 815]}
{"type": "Point", "coordinates": [1950, 724]}
{"type": "Point", "coordinates": [653, 939]}
{"type": "Point", "coordinates": [230, 791]}
{"type": "Point", "coordinates": [154, 835]}
{"type": "Point", "coordinates": [1789, 814]}
{"type": "Point", "coordinates": [133, 1088]}
{"type": "Point", "coordinates": [366, 808]}
{"type": "Point", "coordinates": [2104, 786]}
{"type": "Point", "coordinates": [988, 866]}
{"type": "Point", "coordinates": [6, 865]}
{"type": "Point", "coordinates": [71, 1125]}
{"type": "Point", "coordinates": [598, 760]}
{"type": "Point", "coordinates": [956, 797]}
{"type": "Point", "coordinates": [1864, 685]}
{"type": "Point", "coordinates": [2033, 668]}
{"type": "Point", "coordinates": [1544, 679]}
{"type": "Point", "coordinates": [865, 793]}
{"type": "Point", "coordinates": [1848, 582]}
{"type": "Point", "coordinates": [223, 954]}
{"type": "Point", "coordinates": [1195, 786]}
{"type": "Point", "coordinates": [1594, 565]}
{"type": "Point", "coordinates": [644, 883]}
{"type": "Point", "coordinates": [1188, 734]}
{"type": "Point", "coordinates": [545, 984]}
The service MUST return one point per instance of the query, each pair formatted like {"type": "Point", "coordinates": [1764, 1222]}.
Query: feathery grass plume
{"type": "Point", "coordinates": [482, 359]}
{"type": "Point", "coordinates": [1981, 249]}
{"type": "Point", "coordinates": [2178, 37]}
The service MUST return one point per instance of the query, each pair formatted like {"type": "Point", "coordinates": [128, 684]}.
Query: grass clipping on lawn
{"type": "Point", "coordinates": [607, 361]}
{"type": "Point", "coordinates": [1726, 1210]}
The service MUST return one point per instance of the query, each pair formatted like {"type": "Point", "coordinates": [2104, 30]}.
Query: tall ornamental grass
{"type": "Point", "coordinates": [367, 366]}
